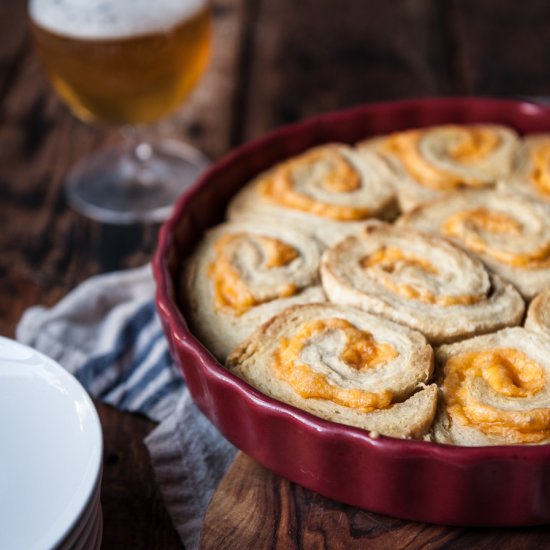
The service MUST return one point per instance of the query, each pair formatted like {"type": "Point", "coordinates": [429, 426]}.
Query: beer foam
{"type": "Point", "coordinates": [111, 19]}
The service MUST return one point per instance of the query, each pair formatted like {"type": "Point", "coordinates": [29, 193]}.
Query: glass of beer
{"type": "Point", "coordinates": [125, 62]}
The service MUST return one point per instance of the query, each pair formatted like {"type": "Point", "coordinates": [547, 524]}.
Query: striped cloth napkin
{"type": "Point", "coordinates": [107, 333]}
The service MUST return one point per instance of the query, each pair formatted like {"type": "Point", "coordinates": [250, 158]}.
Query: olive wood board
{"type": "Point", "coordinates": [255, 509]}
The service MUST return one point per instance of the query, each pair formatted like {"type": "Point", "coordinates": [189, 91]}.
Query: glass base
{"type": "Point", "coordinates": [141, 184]}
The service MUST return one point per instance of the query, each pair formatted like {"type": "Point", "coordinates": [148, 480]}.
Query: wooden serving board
{"type": "Point", "coordinates": [253, 508]}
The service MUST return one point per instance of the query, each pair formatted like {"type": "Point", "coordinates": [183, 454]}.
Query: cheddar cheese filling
{"type": "Point", "coordinates": [326, 170]}
{"type": "Point", "coordinates": [540, 175]}
{"type": "Point", "coordinates": [392, 260]}
{"type": "Point", "coordinates": [511, 375]}
{"type": "Point", "coordinates": [470, 226]}
{"type": "Point", "coordinates": [361, 352]}
{"type": "Point", "coordinates": [472, 146]}
{"type": "Point", "coordinates": [231, 290]}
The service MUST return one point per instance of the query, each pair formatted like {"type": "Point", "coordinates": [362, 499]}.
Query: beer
{"type": "Point", "coordinates": [122, 61]}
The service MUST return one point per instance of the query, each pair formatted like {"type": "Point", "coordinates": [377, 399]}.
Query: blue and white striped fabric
{"type": "Point", "coordinates": [107, 334]}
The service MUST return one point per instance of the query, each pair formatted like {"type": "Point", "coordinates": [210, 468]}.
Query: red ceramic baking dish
{"type": "Point", "coordinates": [409, 479]}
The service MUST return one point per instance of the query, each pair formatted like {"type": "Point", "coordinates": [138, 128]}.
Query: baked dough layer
{"type": "Point", "coordinates": [495, 390]}
{"type": "Point", "coordinates": [538, 314]}
{"type": "Point", "coordinates": [531, 167]}
{"type": "Point", "coordinates": [253, 284]}
{"type": "Point", "coordinates": [322, 357]}
{"type": "Point", "coordinates": [419, 280]}
{"type": "Point", "coordinates": [247, 267]}
{"type": "Point", "coordinates": [327, 191]}
{"type": "Point", "coordinates": [430, 162]}
{"type": "Point", "coordinates": [508, 231]}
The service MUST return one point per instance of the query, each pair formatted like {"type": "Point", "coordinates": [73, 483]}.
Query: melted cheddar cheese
{"type": "Point", "coordinates": [231, 291]}
{"type": "Point", "coordinates": [328, 170]}
{"type": "Point", "coordinates": [361, 352]}
{"type": "Point", "coordinates": [473, 145]}
{"type": "Point", "coordinates": [510, 374]}
{"type": "Point", "coordinates": [392, 259]}
{"type": "Point", "coordinates": [540, 175]}
{"type": "Point", "coordinates": [469, 225]}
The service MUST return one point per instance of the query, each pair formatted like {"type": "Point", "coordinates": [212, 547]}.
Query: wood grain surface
{"type": "Point", "coordinates": [273, 62]}
{"type": "Point", "coordinates": [254, 508]}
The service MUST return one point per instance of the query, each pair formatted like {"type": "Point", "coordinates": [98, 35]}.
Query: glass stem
{"type": "Point", "coordinates": [135, 163]}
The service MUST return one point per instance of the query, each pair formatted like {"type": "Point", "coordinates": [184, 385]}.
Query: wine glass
{"type": "Point", "coordinates": [125, 62]}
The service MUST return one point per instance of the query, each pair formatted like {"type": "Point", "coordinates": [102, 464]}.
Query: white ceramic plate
{"type": "Point", "coordinates": [84, 525]}
{"type": "Point", "coordinates": [89, 535]}
{"type": "Point", "coordinates": [50, 449]}
{"type": "Point", "coordinates": [93, 538]}
{"type": "Point", "coordinates": [96, 544]}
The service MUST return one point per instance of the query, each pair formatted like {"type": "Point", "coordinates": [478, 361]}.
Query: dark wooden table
{"type": "Point", "coordinates": [274, 61]}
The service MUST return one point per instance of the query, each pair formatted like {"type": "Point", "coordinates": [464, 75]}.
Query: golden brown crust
{"type": "Point", "coordinates": [403, 377]}
{"type": "Point", "coordinates": [419, 280]}
{"type": "Point", "coordinates": [531, 168]}
{"type": "Point", "coordinates": [538, 314]}
{"type": "Point", "coordinates": [221, 326]}
{"type": "Point", "coordinates": [509, 232]}
{"type": "Point", "coordinates": [495, 390]}
{"type": "Point", "coordinates": [329, 196]}
{"type": "Point", "coordinates": [430, 162]}
{"type": "Point", "coordinates": [310, 191]}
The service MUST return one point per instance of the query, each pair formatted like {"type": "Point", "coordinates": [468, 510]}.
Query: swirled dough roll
{"type": "Point", "coordinates": [495, 390]}
{"type": "Point", "coordinates": [509, 232]}
{"type": "Point", "coordinates": [343, 365]}
{"type": "Point", "coordinates": [328, 191]}
{"type": "Point", "coordinates": [531, 167]}
{"type": "Point", "coordinates": [419, 280]}
{"type": "Point", "coordinates": [241, 274]}
{"type": "Point", "coordinates": [430, 162]}
{"type": "Point", "coordinates": [538, 314]}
